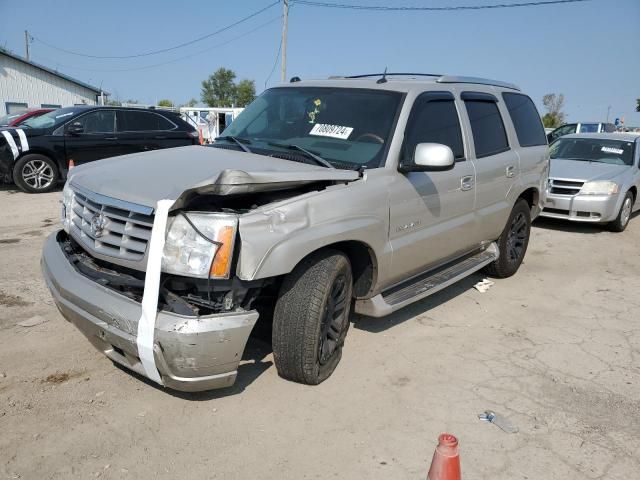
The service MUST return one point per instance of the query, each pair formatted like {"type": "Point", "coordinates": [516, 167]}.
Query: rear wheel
{"type": "Point", "coordinates": [35, 174]}
{"type": "Point", "coordinates": [622, 220]}
{"type": "Point", "coordinates": [311, 318]}
{"type": "Point", "coordinates": [513, 242]}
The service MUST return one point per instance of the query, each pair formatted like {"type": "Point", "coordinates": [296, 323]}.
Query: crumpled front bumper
{"type": "Point", "coordinates": [191, 353]}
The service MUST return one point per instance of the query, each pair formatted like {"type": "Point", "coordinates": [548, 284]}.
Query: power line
{"type": "Point", "coordinates": [275, 63]}
{"type": "Point", "coordinates": [156, 52]}
{"type": "Point", "coordinates": [312, 3]}
{"type": "Point", "coordinates": [208, 49]}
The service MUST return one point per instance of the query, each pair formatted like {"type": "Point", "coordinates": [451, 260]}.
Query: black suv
{"type": "Point", "coordinates": [38, 154]}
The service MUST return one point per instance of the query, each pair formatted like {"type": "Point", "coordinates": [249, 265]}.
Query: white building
{"type": "Point", "coordinates": [25, 84]}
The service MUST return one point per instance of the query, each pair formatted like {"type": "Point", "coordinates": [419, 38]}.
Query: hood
{"type": "Point", "coordinates": [178, 173]}
{"type": "Point", "coordinates": [29, 132]}
{"type": "Point", "coordinates": [584, 171]}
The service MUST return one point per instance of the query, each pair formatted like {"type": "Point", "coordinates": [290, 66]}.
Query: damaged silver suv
{"type": "Point", "coordinates": [369, 192]}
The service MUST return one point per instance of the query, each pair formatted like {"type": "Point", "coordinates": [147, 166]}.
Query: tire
{"type": "Point", "coordinates": [35, 174]}
{"type": "Point", "coordinates": [622, 220]}
{"type": "Point", "coordinates": [513, 242]}
{"type": "Point", "coordinates": [307, 347]}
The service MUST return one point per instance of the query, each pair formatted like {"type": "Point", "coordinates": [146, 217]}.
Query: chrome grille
{"type": "Point", "coordinates": [124, 233]}
{"type": "Point", "coordinates": [564, 187]}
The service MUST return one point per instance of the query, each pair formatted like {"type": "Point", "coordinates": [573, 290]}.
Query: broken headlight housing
{"type": "Point", "coordinates": [199, 245]}
{"type": "Point", "coordinates": [67, 205]}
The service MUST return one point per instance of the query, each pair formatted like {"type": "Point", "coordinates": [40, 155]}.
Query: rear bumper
{"type": "Point", "coordinates": [582, 208]}
{"type": "Point", "coordinates": [191, 353]}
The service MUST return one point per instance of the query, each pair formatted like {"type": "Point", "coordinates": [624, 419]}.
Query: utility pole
{"type": "Point", "coordinates": [285, 25]}
{"type": "Point", "coordinates": [26, 44]}
{"type": "Point", "coordinates": [608, 112]}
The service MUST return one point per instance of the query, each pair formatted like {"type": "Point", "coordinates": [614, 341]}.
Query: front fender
{"type": "Point", "coordinates": [275, 240]}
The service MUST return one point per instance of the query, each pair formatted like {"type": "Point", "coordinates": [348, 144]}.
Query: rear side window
{"type": "Point", "coordinates": [489, 136]}
{"type": "Point", "coordinates": [525, 119]}
{"type": "Point", "coordinates": [130, 121]}
{"type": "Point", "coordinates": [434, 119]}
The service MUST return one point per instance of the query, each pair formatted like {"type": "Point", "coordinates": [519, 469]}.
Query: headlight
{"type": "Point", "coordinates": [199, 245]}
{"type": "Point", "coordinates": [67, 205]}
{"type": "Point", "coordinates": [599, 188]}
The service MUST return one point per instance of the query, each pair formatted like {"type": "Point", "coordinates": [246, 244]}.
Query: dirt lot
{"type": "Point", "coordinates": [556, 349]}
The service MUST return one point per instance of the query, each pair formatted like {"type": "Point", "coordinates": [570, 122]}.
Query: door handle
{"type": "Point", "coordinates": [511, 171]}
{"type": "Point", "coordinates": [159, 137]}
{"type": "Point", "coordinates": [110, 138]}
{"type": "Point", "coordinates": [466, 183]}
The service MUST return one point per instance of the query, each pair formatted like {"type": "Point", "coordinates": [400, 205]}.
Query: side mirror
{"type": "Point", "coordinates": [76, 128]}
{"type": "Point", "coordinates": [430, 157]}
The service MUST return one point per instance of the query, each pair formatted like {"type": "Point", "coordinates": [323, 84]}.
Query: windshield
{"type": "Point", "coordinates": [50, 119]}
{"type": "Point", "coordinates": [7, 119]}
{"type": "Point", "coordinates": [615, 152]}
{"type": "Point", "coordinates": [347, 127]}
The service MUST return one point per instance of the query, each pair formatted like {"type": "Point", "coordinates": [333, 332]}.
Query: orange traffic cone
{"type": "Point", "coordinates": [446, 459]}
{"type": "Point", "coordinates": [200, 136]}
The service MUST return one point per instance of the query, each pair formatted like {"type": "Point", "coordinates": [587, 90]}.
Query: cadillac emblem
{"type": "Point", "coordinates": [98, 222]}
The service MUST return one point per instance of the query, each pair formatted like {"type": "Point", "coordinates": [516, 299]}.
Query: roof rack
{"type": "Point", "coordinates": [440, 78]}
{"type": "Point", "coordinates": [392, 74]}
{"type": "Point", "coordinates": [476, 80]}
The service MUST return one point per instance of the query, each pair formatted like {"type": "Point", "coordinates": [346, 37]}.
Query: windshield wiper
{"type": "Point", "coordinates": [238, 141]}
{"type": "Point", "coordinates": [290, 146]}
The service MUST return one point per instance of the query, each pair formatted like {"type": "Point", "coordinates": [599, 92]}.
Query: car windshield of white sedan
{"type": "Point", "coordinates": [614, 152]}
{"type": "Point", "coordinates": [50, 119]}
{"type": "Point", "coordinates": [347, 127]}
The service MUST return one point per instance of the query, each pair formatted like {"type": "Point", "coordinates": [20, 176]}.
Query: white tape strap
{"type": "Point", "coordinates": [24, 144]}
{"type": "Point", "coordinates": [12, 143]}
{"type": "Point", "coordinates": [147, 322]}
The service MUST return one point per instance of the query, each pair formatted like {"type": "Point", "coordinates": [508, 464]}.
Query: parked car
{"type": "Point", "coordinates": [594, 178]}
{"type": "Point", "coordinates": [584, 127]}
{"type": "Point", "coordinates": [374, 192]}
{"type": "Point", "coordinates": [37, 154]}
{"type": "Point", "coordinates": [14, 119]}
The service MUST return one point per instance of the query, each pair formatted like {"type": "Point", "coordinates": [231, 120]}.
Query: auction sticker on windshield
{"type": "Point", "coordinates": [617, 151]}
{"type": "Point", "coordinates": [334, 131]}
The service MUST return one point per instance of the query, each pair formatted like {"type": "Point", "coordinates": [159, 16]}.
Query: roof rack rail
{"type": "Point", "coordinates": [476, 80]}
{"type": "Point", "coordinates": [391, 74]}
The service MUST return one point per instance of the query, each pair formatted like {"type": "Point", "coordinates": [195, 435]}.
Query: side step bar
{"type": "Point", "coordinates": [424, 285]}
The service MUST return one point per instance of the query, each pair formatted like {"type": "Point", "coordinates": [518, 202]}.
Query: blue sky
{"type": "Point", "coordinates": [589, 51]}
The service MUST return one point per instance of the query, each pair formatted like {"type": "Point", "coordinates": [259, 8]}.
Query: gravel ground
{"type": "Point", "coordinates": [556, 349]}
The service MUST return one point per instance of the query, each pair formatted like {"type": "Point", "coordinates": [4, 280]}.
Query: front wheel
{"type": "Point", "coordinates": [622, 220]}
{"type": "Point", "coordinates": [513, 242]}
{"type": "Point", "coordinates": [311, 318]}
{"type": "Point", "coordinates": [35, 173]}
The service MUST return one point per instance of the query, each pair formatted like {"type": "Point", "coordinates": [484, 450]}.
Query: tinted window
{"type": "Point", "coordinates": [525, 119]}
{"type": "Point", "coordinates": [100, 121]}
{"type": "Point", "coordinates": [489, 136]}
{"type": "Point", "coordinates": [433, 121]}
{"type": "Point", "coordinates": [131, 121]}
{"type": "Point", "coordinates": [589, 128]}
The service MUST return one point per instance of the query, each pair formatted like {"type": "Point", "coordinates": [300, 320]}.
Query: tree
{"type": "Point", "coordinates": [191, 103]}
{"type": "Point", "coordinates": [165, 103]}
{"type": "Point", "coordinates": [554, 104]}
{"type": "Point", "coordinates": [219, 90]}
{"type": "Point", "coordinates": [245, 93]}
{"type": "Point", "coordinates": [638, 105]}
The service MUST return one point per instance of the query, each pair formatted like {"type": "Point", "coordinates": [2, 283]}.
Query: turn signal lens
{"type": "Point", "coordinates": [222, 259]}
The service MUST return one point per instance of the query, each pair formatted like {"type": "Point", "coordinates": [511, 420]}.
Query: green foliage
{"type": "Point", "coordinates": [245, 93]}
{"type": "Point", "coordinates": [219, 89]}
{"type": "Point", "coordinates": [638, 105]}
{"type": "Point", "coordinates": [553, 104]}
{"type": "Point", "coordinates": [550, 121]}
{"type": "Point", "coordinates": [165, 103]}
{"type": "Point", "coordinates": [191, 103]}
